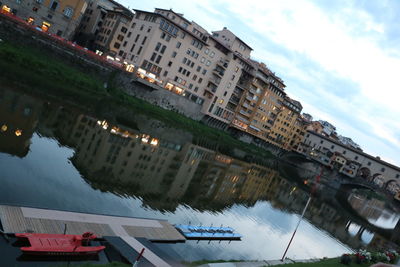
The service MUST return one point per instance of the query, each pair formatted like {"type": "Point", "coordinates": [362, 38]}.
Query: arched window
{"type": "Point", "coordinates": [68, 12]}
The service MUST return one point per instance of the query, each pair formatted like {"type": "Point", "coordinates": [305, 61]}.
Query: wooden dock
{"type": "Point", "coordinates": [22, 219]}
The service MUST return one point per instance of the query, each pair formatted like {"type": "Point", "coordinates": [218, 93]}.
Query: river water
{"type": "Point", "coordinates": [58, 157]}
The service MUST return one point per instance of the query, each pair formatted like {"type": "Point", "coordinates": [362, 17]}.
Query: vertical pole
{"type": "Point", "coordinates": [313, 190]}
{"type": "Point", "coordinates": [297, 226]}
{"type": "Point", "coordinates": [136, 263]}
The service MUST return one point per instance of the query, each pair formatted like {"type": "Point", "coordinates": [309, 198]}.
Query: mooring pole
{"type": "Point", "coordinates": [313, 190]}
{"type": "Point", "coordinates": [297, 226]}
{"type": "Point", "coordinates": [136, 263]}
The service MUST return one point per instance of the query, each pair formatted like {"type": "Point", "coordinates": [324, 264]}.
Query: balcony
{"type": "Point", "coordinates": [223, 64]}
{"type": "Point", "coordinates": [244, 113]}
{"type": "Point", "coordinates": [246, 105]}
{"type": "Point", "coordinates": [250, 98]}
{"type": "Point", "coordinates": [218, 72]}
{"type": "Point", "coordinates": [234, 99]}
{"type": "Point", "coordinates": [211, 87]}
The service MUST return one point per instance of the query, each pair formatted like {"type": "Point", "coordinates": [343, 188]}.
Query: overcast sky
{"type": "Point", "coordinates": [340, 58]}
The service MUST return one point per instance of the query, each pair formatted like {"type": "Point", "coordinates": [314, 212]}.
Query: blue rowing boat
{"type": "Point", "coordinates": [207, 232]}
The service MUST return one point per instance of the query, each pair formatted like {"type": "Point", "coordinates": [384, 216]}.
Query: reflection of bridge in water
{"type": "Point", "coordinates": [355, 218]}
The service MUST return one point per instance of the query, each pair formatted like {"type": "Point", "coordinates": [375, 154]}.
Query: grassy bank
{"type": "Point", "coordinates": [33, 71]}
{"type": "Point", "coordinates": [335, 262]}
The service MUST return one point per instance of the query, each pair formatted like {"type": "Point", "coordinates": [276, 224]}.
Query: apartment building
{"type": "Point", "coordinates": [113, 30]}
{"type": "Point", "coordinates": [189, 61]}
{"type": "Point", "coordinates": [53, 16]}
{"type": "Point", "coordinates": [284, 129]}
{"type": "Point", "coordinates": [93, 20]}
{"type": "Point", "coordinates": [261, 95]}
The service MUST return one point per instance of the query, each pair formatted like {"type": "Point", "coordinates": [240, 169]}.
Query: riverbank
{"type": "Point", "coordinates": [36, 72]}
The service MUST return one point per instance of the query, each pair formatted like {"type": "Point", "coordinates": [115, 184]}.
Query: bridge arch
{"type": "Point", "coordinates": [364, 172]}
{"type": "Point", "coordinates": [378, 179]}
{"type": "Point", "coordinates": [392, 186]}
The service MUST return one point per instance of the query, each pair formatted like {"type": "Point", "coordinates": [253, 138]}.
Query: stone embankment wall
{"type": "Point", "coordinates": [15, 32]}
{"type": "Point", "coordinates": [159, 96]}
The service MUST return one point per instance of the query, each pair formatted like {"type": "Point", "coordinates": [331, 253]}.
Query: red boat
{"type": "Point", "coordinates": [59, 244]}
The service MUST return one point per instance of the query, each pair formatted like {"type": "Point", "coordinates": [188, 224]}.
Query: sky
{"type": "Point", "coordinates": [340, 59]}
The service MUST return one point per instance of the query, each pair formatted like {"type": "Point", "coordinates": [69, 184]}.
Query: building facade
{"type": "Point", "coordinates": [57, 17]}
{"type": "Point", "coordinates": [93, 20]}
{"type": "Point", "coordinates": [370, 167]}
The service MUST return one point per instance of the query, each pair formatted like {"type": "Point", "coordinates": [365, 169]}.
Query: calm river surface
{"type": "Point", "coordinates": [60, 158]}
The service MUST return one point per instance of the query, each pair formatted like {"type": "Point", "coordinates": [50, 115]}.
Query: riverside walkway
{"type": "Point", "coordinates": [23, 219]}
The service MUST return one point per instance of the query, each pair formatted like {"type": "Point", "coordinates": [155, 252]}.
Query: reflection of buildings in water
{"type": "Point", "coordinates": [368, 208]}
{"type": "Point", "coordinates": [18, 119]}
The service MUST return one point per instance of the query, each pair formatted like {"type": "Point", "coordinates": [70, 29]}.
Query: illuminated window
{"type": "Point", "coordinates": [18, 132]}
{"type": "Point", "coordinates": [4, 128]}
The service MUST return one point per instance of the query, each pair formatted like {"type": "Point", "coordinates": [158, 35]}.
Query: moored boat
{"type": "Point", "coordinates": [207, 232]}
{"type": "Point", "coordinates": [59, 244]}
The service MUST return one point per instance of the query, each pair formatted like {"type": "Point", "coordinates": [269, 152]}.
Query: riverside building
{"type": "Point", "coordinates": [213, 70]}
{"type": "Point", "coordinates": [53, 16]}
{"type": "Point", "coordinates": [189, 61]}
{"type": "Point", "coordinates": [93, 20]}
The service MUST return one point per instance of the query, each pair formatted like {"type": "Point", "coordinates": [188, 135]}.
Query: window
{"type": "Point", "coordinates": [124, 43]}
{"type": "Point", "coordinates": [149, 29]}
{"type": "Point", "coordinates": [397, 175]}
{"type": "Point", "coordinates": [321, 142]}
{"type": "Point", "coordinates": [369, 163]}
{"type": "Point", "coordinates": [120, 37]}
{"type": "Point", "coordinates": [174, 54]}
{"type": "Point", "coordinates": [165, 73]}
{"type": "Point", "coordinates": [54, 5]}
{"type": "Point", "coordinates": [344, 152]}
{"type": "Point", "coordinates": [68, 12]}
{"type": "Point", "coordinates": [163, 49]}
{"type": "Point", "coordinates": [208, 63]}
{"type": "Point", "coordinates": [158, 59]}
{"type": "Point", "coordinates": [198, 69]}
{"type": "Point", "coordinates": [144, 40]}
{"type": "Point", "coordinates": [137, 38]}
{"type": "Point", "coordinates": [141, 27]}
{"type": "Point", "coordinates": [212, 54]}
{"type": "Point", "coordinates": [332, 146]}
{"type": "Point", "coordinates": [203, 59]}
{"type": "Point", "coordinates": [206, 51]}
{"type": "Point", "coordinates": [129, 34]}
{"type": "Point", "coordinates": [133, 25]}
{"type": "Point", "coordinates": [140, 50]}
{"type": "Point", "coordinates": [200, 80]}
{"type": "Point", "coordinates": [168, 38]}
{"type": "Point", "coordinates": [117, 45]}
{"type": "Point", "coordinates": [153, 57]}
{"type": "Point", "coordinates": [124, 30]}
{"type": "Point", "coordinates": [178, 44]}
{"type": "Point", "coordinates": [356, 157]}
{"type": "Point", "coordinates": [204, 72]}
{"type": "Point", "coordinates": [383, 170]}
{"type": "Point", "coordinates": [133, 47]}
{"type": "Point", "coordinates": [158, 46]}
{"type": "Point", "coordinates": [170, 64]}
